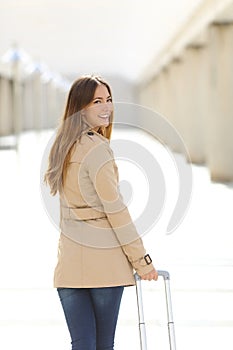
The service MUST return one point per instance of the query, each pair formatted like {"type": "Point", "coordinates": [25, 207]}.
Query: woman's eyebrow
{"type": "Point", "coordinates": [101, 98]}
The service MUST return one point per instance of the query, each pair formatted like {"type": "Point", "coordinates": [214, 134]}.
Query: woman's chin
{"type": "Point", "coordinates": [105, 124]}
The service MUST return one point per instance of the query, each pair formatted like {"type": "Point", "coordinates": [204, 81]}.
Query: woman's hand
{"type": "Point", "coordinates": [152, 275]}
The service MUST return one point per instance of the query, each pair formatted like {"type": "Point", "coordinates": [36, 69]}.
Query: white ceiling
{"type": "Point", "coordinates": [113, 37]}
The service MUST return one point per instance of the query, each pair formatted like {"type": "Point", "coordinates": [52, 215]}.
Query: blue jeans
{"type": "Point", "coordinates": [91, 316]}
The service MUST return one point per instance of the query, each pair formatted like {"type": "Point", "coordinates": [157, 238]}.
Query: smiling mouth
{"type": "Point", "coordinates": [104, 116]}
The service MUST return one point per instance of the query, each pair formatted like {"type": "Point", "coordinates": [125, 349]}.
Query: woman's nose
{"type": "Point", "coordinates": [108, 107]}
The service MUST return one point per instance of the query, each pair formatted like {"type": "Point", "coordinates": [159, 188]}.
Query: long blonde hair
{"type": "Point", "coordinates": [71, 127]}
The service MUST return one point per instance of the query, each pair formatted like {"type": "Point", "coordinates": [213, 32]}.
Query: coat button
{"type": "Point", "coordinates": [90, 133]}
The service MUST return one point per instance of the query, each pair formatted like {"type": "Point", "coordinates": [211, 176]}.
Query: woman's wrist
{"type": "Point", "coordinates": [143, 265]}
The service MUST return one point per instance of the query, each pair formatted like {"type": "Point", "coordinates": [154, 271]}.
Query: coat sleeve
{"type": "Point", "coordinates": [101, 169]}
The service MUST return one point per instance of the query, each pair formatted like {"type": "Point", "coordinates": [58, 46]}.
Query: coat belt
{"type": "Point", "coordinates": [82, 213]}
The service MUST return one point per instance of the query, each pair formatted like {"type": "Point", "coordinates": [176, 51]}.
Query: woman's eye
{"type": "Point", "coordinates": [99, 101]}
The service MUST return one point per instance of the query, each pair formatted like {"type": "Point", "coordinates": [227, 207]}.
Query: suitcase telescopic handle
{"type": "Point", "coordinates": [170, 324]}
{"type": "Point", "coordinates": [164, 274]}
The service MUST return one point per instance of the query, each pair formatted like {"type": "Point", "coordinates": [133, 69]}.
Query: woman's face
{"type": "Point", "coordinates": [98, 112]}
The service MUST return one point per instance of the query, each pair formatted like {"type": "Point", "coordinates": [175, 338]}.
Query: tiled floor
{"type": "Point", "coordinates": [198, 255]}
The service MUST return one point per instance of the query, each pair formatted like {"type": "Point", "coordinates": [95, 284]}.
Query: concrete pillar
{"type": "Point", "coordinates": [53, 113]}
{"type": "Point", "coordinates": [192, 116]}
{"type": "Point", "coordinates": [17, 110]}
{"type": "Point", "coordinates": [220, 120]}
{"type": "Point", "coordinates": [28, 120]}
{"type": "Point", "coordinates": [163, 95]}
{"type": "Point", "coordinates": [146, 94]}
{"type": "Point", "coordinates": [148, 100]}
{"type": "Point", "coordinates": [158, 93]}
{"type": "Point", "coordinates": [6, 103]}
{"type": "Point", "coordinates": [173, 99]}
{"type": "Point", "coordinates": [160, 101]}
{"type": "Point", "coordinates": [203, 103]}
{"type": "Point", "coordinates": [166, 107]}
{"type": "Point", "coordinates": [177, 92]}
{"type": "Point", "coordinates": [163, 92]}
{"type": "Point", "coordinates": [45, 114]}
{"type": "Point", "coordinates": [37, 101]}
{"type": "Point", "coordinates": [61, 100]}
{"type": "Point", "coordinates": [33, 102]}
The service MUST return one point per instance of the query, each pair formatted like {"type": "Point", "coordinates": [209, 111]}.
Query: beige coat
{"type": "Point", "coordinates": [99, 245]}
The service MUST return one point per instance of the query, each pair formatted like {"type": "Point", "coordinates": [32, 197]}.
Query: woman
{"type": "Point", "coordinates": [99, 246]}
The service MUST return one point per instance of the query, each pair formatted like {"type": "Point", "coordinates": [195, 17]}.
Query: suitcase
{"type": "Point", "coordinates": [142, 327]}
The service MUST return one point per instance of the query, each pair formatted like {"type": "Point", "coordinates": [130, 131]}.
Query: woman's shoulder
{"type": "Point", "coordinates": [90, 144]}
